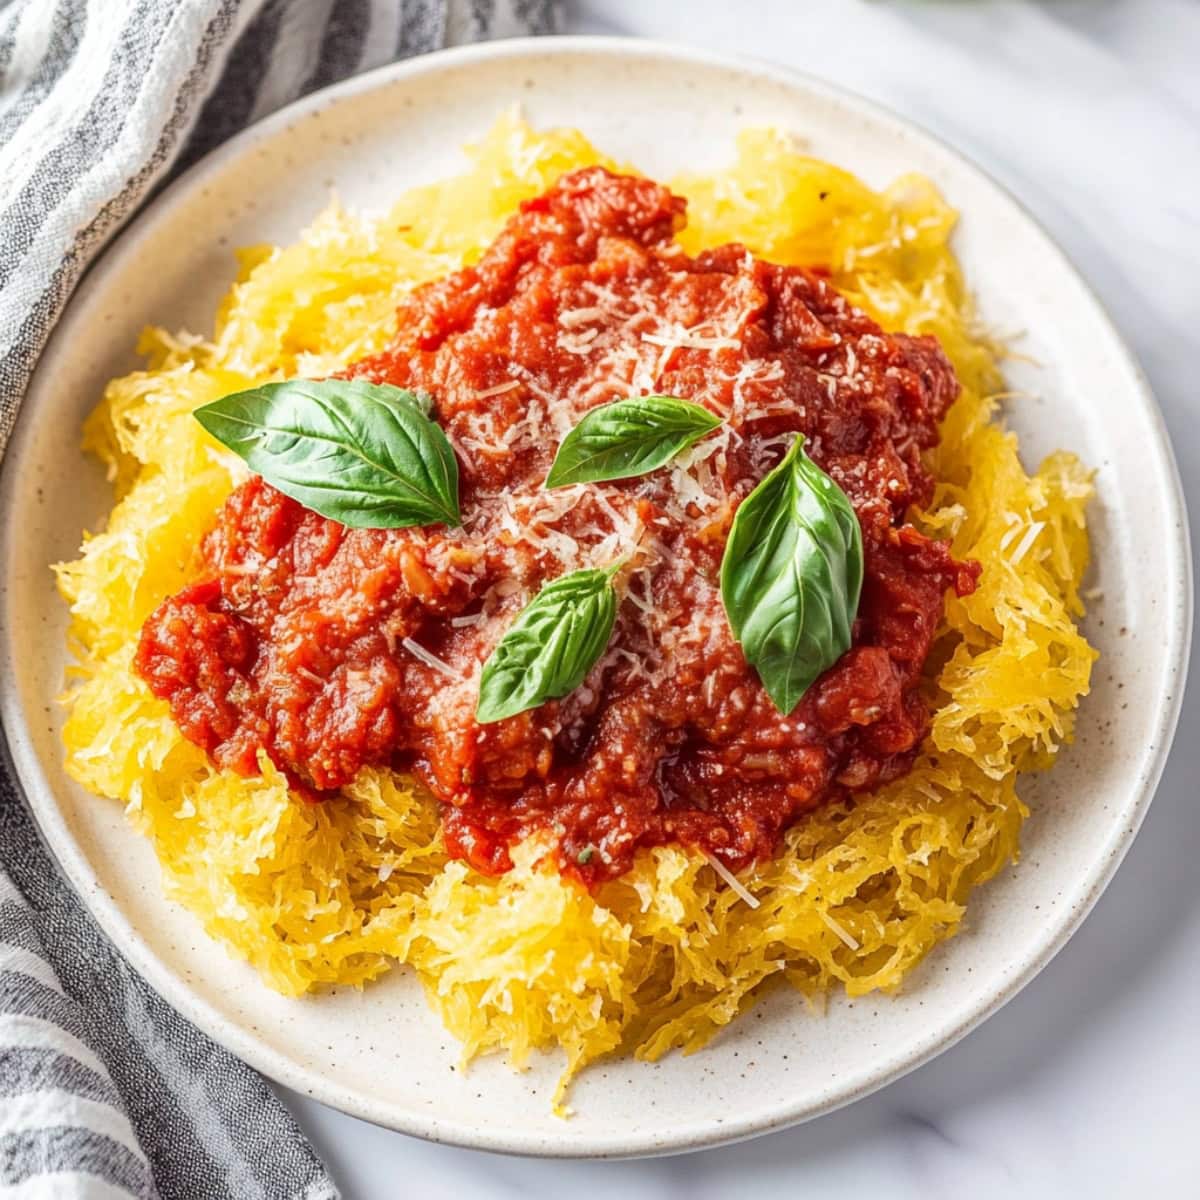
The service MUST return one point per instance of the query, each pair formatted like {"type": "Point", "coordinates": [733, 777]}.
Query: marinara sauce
{"type": "Point", "coordinates": [332, 648]}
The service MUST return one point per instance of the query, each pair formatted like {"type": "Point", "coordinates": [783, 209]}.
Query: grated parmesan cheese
{"type": "Point", "coordinates": [498, 390]}
{"type": "Point", "coordinates": [430, 660]}
{"type": "Point", "coordinates": [850, 942]}
{"type": "Point", "coordinates": [579, 316]}
{"type": "Point", "coordinates": [1025, 543]}
{"type": "Point", "coordinates": [689, 341]}
{"type": "Point", "coordinates": [732, 880]}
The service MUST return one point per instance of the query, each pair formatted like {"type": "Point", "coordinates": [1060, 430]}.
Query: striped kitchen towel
{"type": "Point", "coordinates": [104, 1090]}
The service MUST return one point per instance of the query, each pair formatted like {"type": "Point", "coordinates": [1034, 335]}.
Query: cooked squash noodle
{"type": "Point", "coordinates": [665, 956]}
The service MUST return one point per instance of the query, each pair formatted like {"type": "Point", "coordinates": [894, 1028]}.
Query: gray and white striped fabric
{"type": "Point", "coordinates": [104, 1090]}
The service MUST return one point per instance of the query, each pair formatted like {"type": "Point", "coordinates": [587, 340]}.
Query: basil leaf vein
{"type": "Point", "coordinates": [791, 577]}
{"type": "Point", "coordinates": [365, 454]}
{"type": "Point", "coordinates": [551, 646]}
{"type": "Point", "coordinates": [627, 438]}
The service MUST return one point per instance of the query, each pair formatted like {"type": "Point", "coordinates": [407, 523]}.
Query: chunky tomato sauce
{"type": "Point", "coordinates": [331, 648]}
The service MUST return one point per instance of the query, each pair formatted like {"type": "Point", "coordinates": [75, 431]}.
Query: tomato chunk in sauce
{"type": "Point", "coordinates": [334, 648]}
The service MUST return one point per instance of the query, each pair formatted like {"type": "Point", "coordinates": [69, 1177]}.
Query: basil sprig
{"type": "Point", "coordinates": [792, 576]}
{"type": "Point", "coordinates": [365, 454]}
{"type": "Point", "coordinates": [551, 646]}
{"type": "Point", "coordinates": [628, 437]}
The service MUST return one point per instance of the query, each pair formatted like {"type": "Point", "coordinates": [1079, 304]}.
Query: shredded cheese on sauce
{"type": "Point", "coordinates": [666, 955]}
{"type": "Point", "coordinates": [430, 660]}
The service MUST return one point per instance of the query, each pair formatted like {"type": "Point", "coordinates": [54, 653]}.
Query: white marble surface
{"type": "Point", "coordinates": [1089, 1082]}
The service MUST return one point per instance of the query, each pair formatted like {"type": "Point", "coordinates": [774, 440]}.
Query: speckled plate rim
{"type": "Point", "coordinates": [279, 1067]}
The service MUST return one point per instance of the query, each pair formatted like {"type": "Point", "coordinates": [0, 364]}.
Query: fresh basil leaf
{"type": "Point", "coordinates": [421, 401]}
{"type": "Point", "coordinates": [627, 438]}
{"type": "Point", "coordinates": [551, 646]}
{"type": "Point", "coordinates": [365, 454]}
{"type": "Point", "coordinates": [792, 576]}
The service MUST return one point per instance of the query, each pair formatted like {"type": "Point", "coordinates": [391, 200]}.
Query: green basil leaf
{"type": "Point", "coordinates": [551, 646]}
{"type": "Point", "coordinates": [792, 576]}
{"type": "Point", "coordinates": [627, 438]}
{"type": "Point", "coordinates": [365, 454]}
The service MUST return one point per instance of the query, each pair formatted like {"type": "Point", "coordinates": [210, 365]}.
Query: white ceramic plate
{"type": "Point", "coordinates": [382, 1055]}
